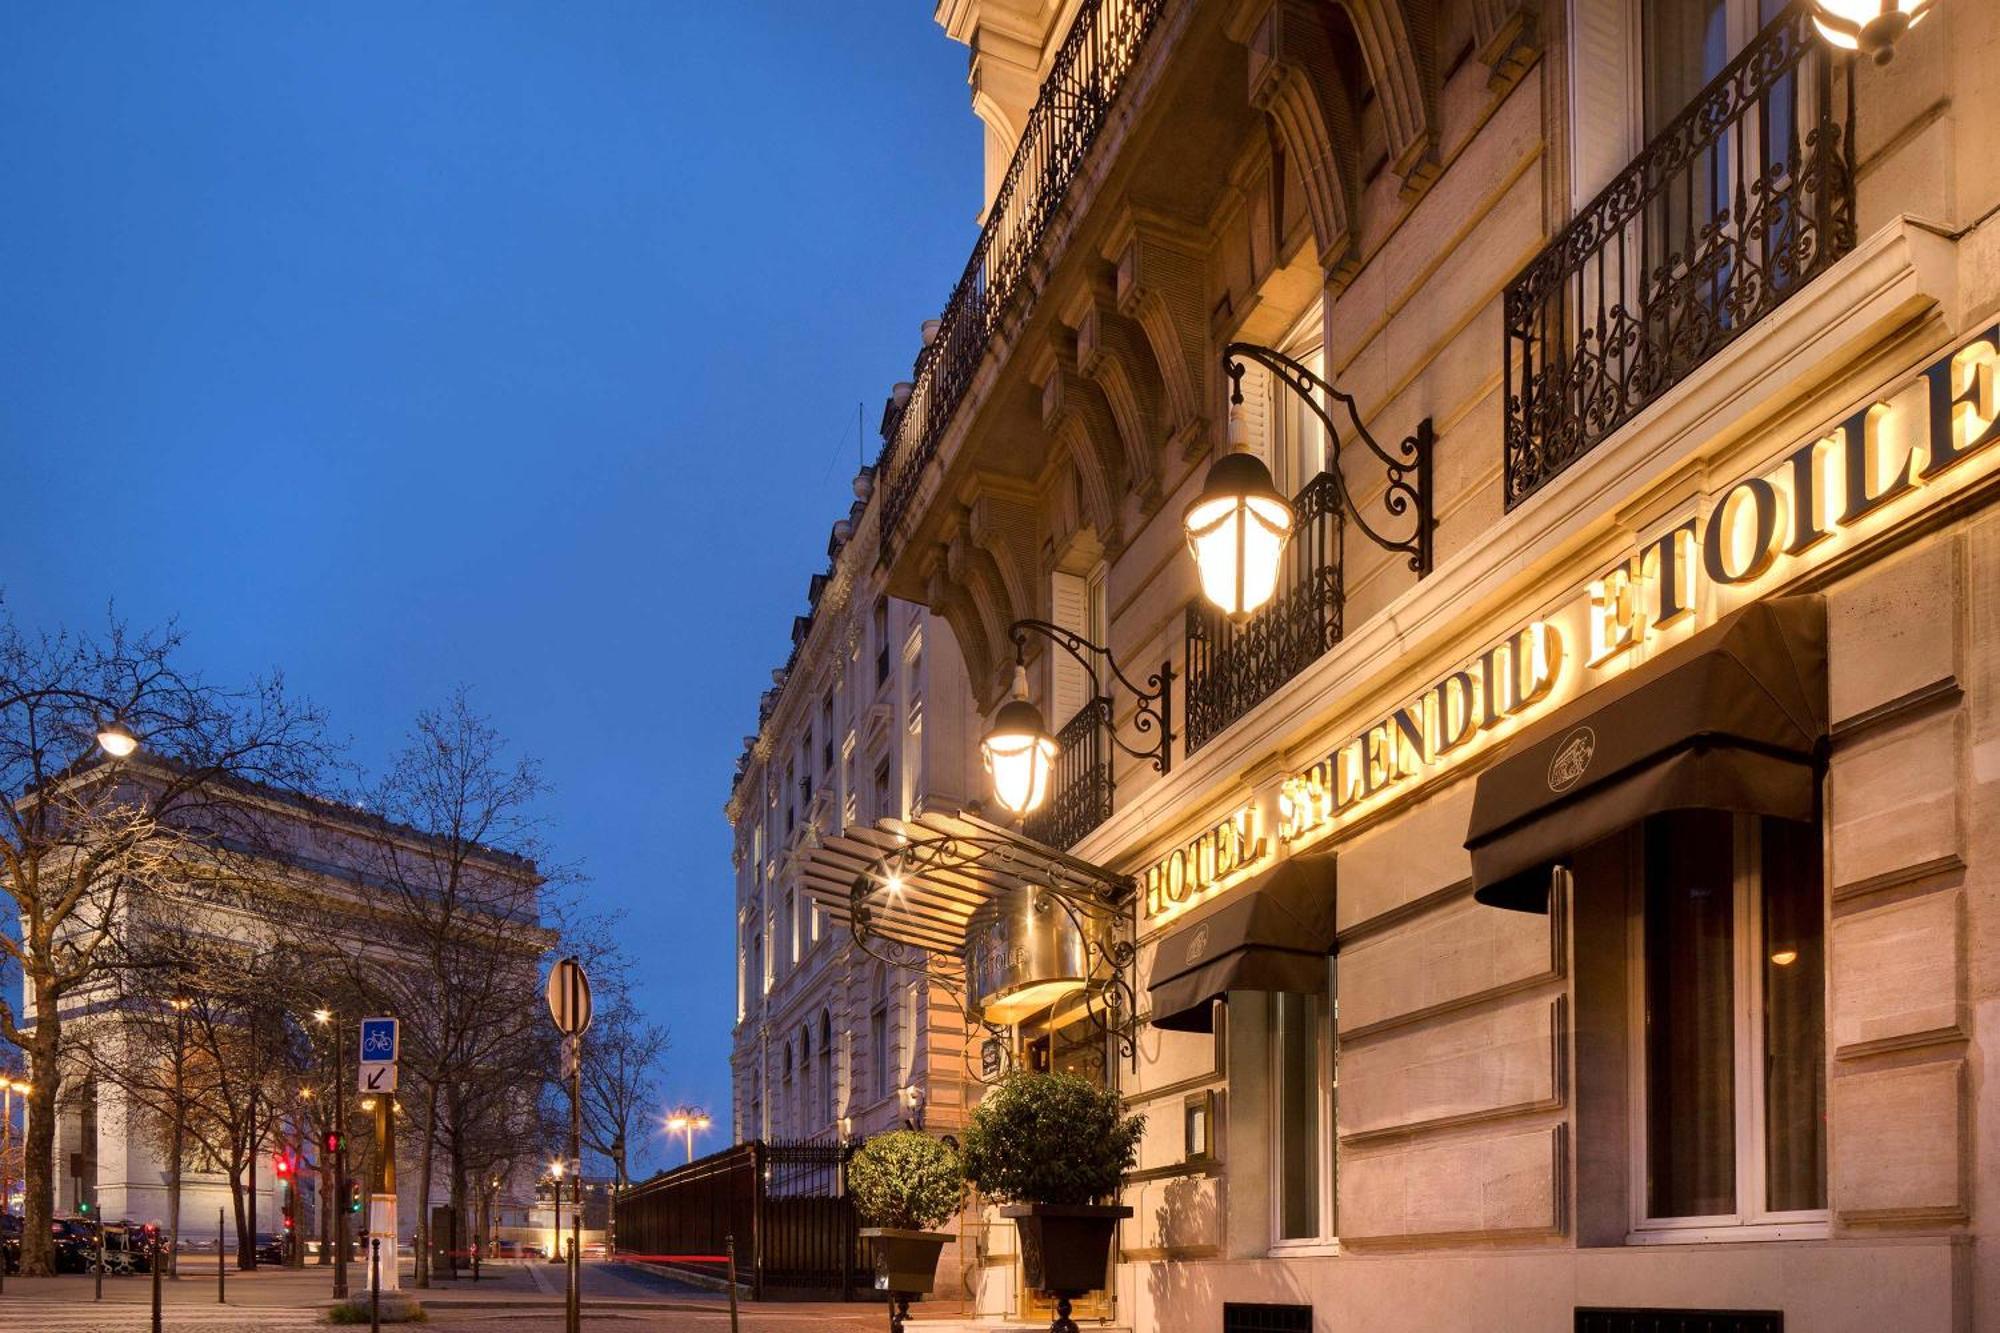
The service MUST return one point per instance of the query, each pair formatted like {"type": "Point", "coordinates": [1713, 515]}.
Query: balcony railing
{"type": "Point", "coordinates": [1232, 668]}
{"type": "Point", "coordinates": [1720, 219]}
{"type": "Point", "coordinates": [1101, 49]}
{"type": "Point", "coordinates": [1080, 795]}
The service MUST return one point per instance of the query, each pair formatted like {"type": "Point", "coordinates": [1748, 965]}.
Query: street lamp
{"type": "Point", "coordinates": [1237, 527]}
{"type": "Point", "coordinates": [1872, 27]}
{"type": "Point", "coordinates": [685, 1121]}
{"type": "Point", "coordinates": [116, 739]}
{"type": "Point", "coordinates": [1018, 751]}
{"type": "Point", "coordinates": [1017, 748]}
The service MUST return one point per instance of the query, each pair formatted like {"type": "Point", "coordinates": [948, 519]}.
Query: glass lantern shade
{"type": "Point", "coordinates": [1020, 755]}
{"type": "Point", "coordinates": [1237, 528]}
{"type": "Point", "coordinates": [117, 740]}
{"type": "Point", "coordinates": [1871, 27]}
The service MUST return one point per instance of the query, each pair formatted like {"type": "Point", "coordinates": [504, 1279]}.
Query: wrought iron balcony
{"type": "Point", "coordinates": [1232, 668]}
{"type": "Point", "coordinates": [1080, 795]}
{"type": "Point", "coordinates": [1726, 214]}
{"type": "Point", "coordinates": [1101, 49]}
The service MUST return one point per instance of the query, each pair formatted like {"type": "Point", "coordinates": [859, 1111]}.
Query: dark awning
{"type": "Point", "coordinates": [1273, 934]}
{"type": "Point", "coordinates": [1733, 719]}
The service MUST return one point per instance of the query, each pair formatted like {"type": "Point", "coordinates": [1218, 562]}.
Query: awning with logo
{"type": "Point", "coordinates": [921, 881]}
{"type": "Point", "coordinates": [1273, 934]}
{"type": "Point", "coordinates": [1733, 719]}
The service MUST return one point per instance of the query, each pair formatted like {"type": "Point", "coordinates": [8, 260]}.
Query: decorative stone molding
{"type": "Point", "coordinates": [1295, 80]}
{"type": "Point", "coordinates": [1507, 36]}
{"type": "Point", "coordinates": [1112, 351]}
{"type": "Point", "coordinates": [1002, 521]}
{"type": "Point", "coordinates": [1077, 417]}
{"type": "Point", "coordinates": [1397, 41]}
{"type": "Point", "coordinates": [1159, 284]}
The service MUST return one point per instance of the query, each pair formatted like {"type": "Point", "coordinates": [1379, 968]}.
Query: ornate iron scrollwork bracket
{"type": "Point", "coordinates": [1155, 699]}
{"type": "Point", "coordinates": [1409, 489]}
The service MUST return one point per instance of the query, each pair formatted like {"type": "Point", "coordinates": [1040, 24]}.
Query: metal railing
{"type": "Point", "coordinates": [1101, 49]}
{"type": "Point", "coordinates": [784, 1203]}
{"type": "Point", "coordinates": [1081, 786]}
{"type": "Point", "coordinates": [1721, 218]}
{"type": "Point", "coordinates": [1232, 668]}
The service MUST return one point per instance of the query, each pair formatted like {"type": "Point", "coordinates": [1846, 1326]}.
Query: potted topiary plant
{"type": "Point", "coordinates": [1053, 1148]}
{"type": "Point", "coordinates": [905, 1185]}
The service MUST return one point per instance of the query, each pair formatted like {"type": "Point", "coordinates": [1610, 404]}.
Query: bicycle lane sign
{"type": "Point", "coordinates": [380, 1039]}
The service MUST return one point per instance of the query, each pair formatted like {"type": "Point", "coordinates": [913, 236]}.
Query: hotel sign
{"type": "Point", "coordinates": [1877, 464]}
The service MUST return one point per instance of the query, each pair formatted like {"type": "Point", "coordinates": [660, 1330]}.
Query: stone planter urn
{"type": "Point", "coordinates": [1065, 1249]}
{"type": "Point", "coordinates": [905, 1265]}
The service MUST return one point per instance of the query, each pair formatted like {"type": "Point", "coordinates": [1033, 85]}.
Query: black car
{"type": "Point", "coordinates": [10, 1243]}
{"type": "Point", "coordinates": [75, 1241]}
{"type": "Point", "coordinates": [271, 1250]}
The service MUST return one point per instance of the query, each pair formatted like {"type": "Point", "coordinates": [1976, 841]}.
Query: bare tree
{"type": "Point", "coordinates": [622, 1057]}
{"type": "Point", "coordinates": [80, 832]}
{"type": "Point", "coordinates": [454, 890]}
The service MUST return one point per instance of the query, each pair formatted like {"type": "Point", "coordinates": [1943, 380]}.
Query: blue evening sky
{"type": "Point", "coordinates": [513, 344]}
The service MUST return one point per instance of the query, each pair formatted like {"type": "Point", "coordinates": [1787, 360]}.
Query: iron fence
{"type": "Point", "coordinates": [783, 1202]}
{"type": "Point", "coordinates": [1090, 68]}
{"type": "Point", "coordinates": [1232, 668]}
{"type": "Point", "coordinates": [1081, 786]}
{"type": "Point", "coordinates": [1727, 213]}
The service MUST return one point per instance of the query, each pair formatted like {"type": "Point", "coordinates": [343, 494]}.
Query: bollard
{"type": "Point", "coordinates": [375, 1284]}
{"type": "Point", "coordinates": [729, 1242]}
{"type": "Point", "coordinates": [156, 1262]}
{"type": "Point", "coordinates": [221, 1274]}
{"type": "Point", "coordinates": [100, 1260]}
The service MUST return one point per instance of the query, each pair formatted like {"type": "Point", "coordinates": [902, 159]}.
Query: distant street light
{"type": "Point", "coordinates": [116, 739]}
{"type": "Point", "coordinates": [685, 1120]}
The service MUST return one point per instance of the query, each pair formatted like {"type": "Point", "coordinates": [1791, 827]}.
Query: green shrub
{"type": "Point", "coordinates": [1050, 1138]}
{"type": "Point", "coordinates": [905, 1180]}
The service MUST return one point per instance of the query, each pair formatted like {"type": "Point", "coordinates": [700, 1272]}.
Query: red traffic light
{"type": "Point", "coordinates": [332, 1142]}
{"type": "Point", "coordinates": [282, 1164]}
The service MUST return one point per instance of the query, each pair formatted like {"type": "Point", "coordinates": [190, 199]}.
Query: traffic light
{"type": "Point", "coordinates": [353, 1196]}
{"type": "Point", "coordinates": [83, 1207]}
{"type": "Point", "coordinates": [281, 1165]}
{"type": "Point", "coordinates": [332, 1143]}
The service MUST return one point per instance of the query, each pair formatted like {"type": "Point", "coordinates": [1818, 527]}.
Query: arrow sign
{"type": "Point", "coordinates": [378, 1077]}
{"type": "Point", "coordinates": [569, 997]}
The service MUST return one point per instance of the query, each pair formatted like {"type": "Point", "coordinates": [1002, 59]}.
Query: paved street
{"type": "Point", "coordinates": [511, 1299]}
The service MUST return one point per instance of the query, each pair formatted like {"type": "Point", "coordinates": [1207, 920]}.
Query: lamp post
{"type": "Point", "coordinates": [181, 1005]}
{"type": "Point", "coordinates": [8, 1087]}
{"type": "Point", "coordinates": [325, 1019]}
{"type": "Point", "coordinates": [1018, 750]}
{"type": "Point", "coordinates": [685, 1120]}
{"type": "Point", "coordinates": [555, 1186]}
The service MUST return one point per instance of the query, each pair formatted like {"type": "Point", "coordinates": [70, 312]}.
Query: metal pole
{"type": "Point", "coordinates": [249, 1260]}
{"type": "Point", "coordinates": [100, 1258]}
{"type": "Point", "coordinates": [576, 1176]}
{"type": "Point", "coordinates": [157, 1261]}
{"type": "Point", "coordinates": [729, 1244]}
{"type": "Point", "coordinates": [339, 1159]}
{"type": "Point", "coordinates": [180, 1131]}
{"type": "Point", "coordinates": [6, 1161]}
{"type": "Point", "coordinates": [374, 1282]}
{"type": "Point", "coordinates": [221, 1273]}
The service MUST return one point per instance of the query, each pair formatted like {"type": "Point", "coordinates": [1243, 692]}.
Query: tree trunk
{"type": "Point", "coordinates": [426, 1167]}
{"type": "Point", "coordinates": [246, 1244]}
{"type": "Point", "coordinates": [179, 1151]}
{"type": "Point", "coordinates": [459, 1230]}
{"type": "Point", "coordinates": [38, 1164]}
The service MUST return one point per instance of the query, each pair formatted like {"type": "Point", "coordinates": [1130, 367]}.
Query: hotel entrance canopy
{"type": "Point", "coordinates": [921, 881]}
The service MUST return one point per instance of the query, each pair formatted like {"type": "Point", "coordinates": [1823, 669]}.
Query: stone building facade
{"type": "Point", "coordinates": [1629, 826]}
{"type": "Point", "coordinates": [869, 720]}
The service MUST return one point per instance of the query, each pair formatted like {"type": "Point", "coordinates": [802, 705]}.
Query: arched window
{"type": "Point", "coordinates": [826, 1095]}
{"type": "Point", "coordinates": [785, 1103]}
{"type": "Point", "coordinates": [806, 1106]}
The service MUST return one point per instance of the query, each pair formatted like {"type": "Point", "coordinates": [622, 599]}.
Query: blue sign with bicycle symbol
{"type": "Point", "coordinates": [379, 1038]}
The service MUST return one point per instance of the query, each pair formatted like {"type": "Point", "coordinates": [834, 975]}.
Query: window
{"type": "Point", "coordinates": [792, 922]}
{"type": "Point", "coordinates": [1302, 1113]}
{"type": "Point", "coordinates": [804, 1107]}
{"type": "Point", "coordinates": [885, 805]}
{"type": "Point", "coordinates": [785, 1101]}
{"type": "Point", "coordinates": [881, 642]}
{"type": "Point", "coordinates": [1727, 974]}
{"type": "Point", "coordinates": [878, 1040]}
{"type": "Point", "coordinates": [826, 734]}
{"type": "Point", "coordinates": [1298, 440]}
{"type": "Point", "coordinates": [826, 1098]}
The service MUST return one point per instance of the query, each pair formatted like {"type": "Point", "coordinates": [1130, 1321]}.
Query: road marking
{"type": "Point", "coordinates": [90, 1315]}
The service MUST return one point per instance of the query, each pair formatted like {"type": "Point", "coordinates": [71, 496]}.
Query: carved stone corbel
{"type": "Point", "coordinates": [1159, 285]}
{"type": "Point", "coordinates": [1113, 353]}
{"type": "Point", "coordinates": [1396, 43]}
{"type": "Point", "coordinates": [1295, 81]}
{"type": "Point", "coordinates": [1507, 38]}
{"type": "Point", "coordinates": [1078, 419]}
{"type": "Point", "coordinates": [1003, 522]}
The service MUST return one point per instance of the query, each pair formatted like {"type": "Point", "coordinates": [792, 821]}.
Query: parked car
{"type": "Point", "coordinates": [271, 1250]}
{"type": "Point", "coordinates": [75, 1241]}
{"type": "Point", "coordinates": [10, 1243]}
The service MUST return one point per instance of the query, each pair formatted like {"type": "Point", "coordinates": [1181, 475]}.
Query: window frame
{"type": "Point", "coordinates": [1751, 1220]}
{"type": "Point", "coordinates": [1327, 1168]}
